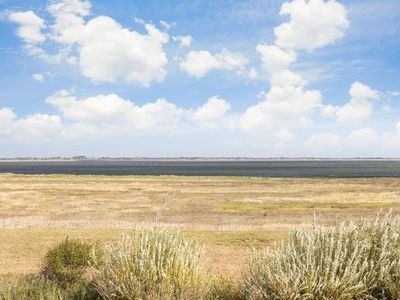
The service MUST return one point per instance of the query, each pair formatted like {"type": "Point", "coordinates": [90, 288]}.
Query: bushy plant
{"type": "Point", "coordinates": [32, 288]}
{"type": "Point", "coordinates": [348, 261]}
{"type": "Point", "coordinates": [151, 264]}
{"type": "Point", "coordinates": [40, 288]}
{"type": "Point", "coordinates": [66, 263]}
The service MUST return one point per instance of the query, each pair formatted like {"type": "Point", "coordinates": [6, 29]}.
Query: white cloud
{"type": "Point", "coordinates": [231, 60]}
{"type": "Point", "coordinates": [38, 77]}
{"type": "Point", "coordinates": [365, 142]}
{"type": "Point", "coordinates": [329, 111]}
{"type": "Point", "coordinates": [7, 117]}
{"type": "Point", "coordinates": [108, 52]}
{"type": "Point", "coordinates": [68, 19]}
{"type": "Point", "coordinates": [104, 50]}
{"type": "Point", "coordinates": [282, 106]}
{"type": "Point", "coordinates": [362, 91]}
{"type": "Point", "coordinates": [199, 63]}
{"type": "Point", "coordinates": [183, 40]}
{"type": "Point", "coordinates": [324, 144]}
{"type": "Point", "coordinates": [251, 73]}
{"type": "Point", "coordinates": [103, 114]}
{"type": "Point", "coordinates": [284, 135]}
{"type": "Point", "coordinates": [211, 113]}
{"type": "Point", "coordinates": [358, 109]}
{"type": "Point", "coordinates": [364, 136]}
{"type": "Point", "coordinates": [313, 24]}
{"type": "Point", "coordinates": [113, 113]}
{"type": "Point", "coordinates": [38, 125]}
{"type": "Point", "coordinates": [166, 25]}
{"type": "Point", "coordinates": [287, 78]}
{"type": "Point", "coordinates": [30, 26]}
{"type": "Point", "coordinates": [275, 59]}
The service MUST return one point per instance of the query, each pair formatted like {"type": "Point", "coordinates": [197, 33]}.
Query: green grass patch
{"type": "Point", "coordinates": [254, 238]}
{"type": "Point", "coordinates": [247, 207]}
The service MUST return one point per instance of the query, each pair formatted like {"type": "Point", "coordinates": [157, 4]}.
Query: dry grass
{"type": "Point", "coordinates": [227, 214]}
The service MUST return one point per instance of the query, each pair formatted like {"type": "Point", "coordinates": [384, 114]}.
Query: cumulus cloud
{"type": "Point", "coordinates": [68, 19]}
{"type": "Point", "coordinates": [199, 63]}
{"type": "Point", "coordinates": [183, 40]}
{"type": "Point", "coordinates": [30, 26]}
{"type": "Point", "coordinates": [275, 59]}
{"type": "Point", "coordinates": [7, 117]}
{"type": "Point", "coordinates": [313, 24]}
{"type": "Point", "coordinates": [111, 112]}
{"type": "Point", "coordinates": [38, 125]}
{"type": "Point", "coordinates": [103, 113]}
{"type": "Point", "coordinates": [358, 109]}
{"type": "Point", "coordinates": [284, 135]}
{"type": "Point", "coordinates": [366, 142]}
{"type": "Point", "coordinates": [362, 137]}
{"type": "Point", "coordinates": [282, 106]}
{"type": "Point", "coordinates": [322, 142]}
{"type": "Point", "coordinates": [212, 112]}
{"type": "Point", "coordinates": [104, 50]}
{"type": "Point", "coordinates": [108, 52]}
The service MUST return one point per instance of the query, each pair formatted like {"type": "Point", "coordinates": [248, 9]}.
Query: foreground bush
{"type": "Point", "coordinates": [66, 263]}
{"type": "Point", "coordinates": [33, 289]}
{"type": "Point", "coordinates": [151, 265]}
{"type": "Point", "coordinates": [342, 262]}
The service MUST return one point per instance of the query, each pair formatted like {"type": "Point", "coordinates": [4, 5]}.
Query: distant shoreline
{"type": "Point", "coordinates": [205, 159]}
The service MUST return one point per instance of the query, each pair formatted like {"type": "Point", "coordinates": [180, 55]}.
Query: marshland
{"type": "Point", "coordinates": [227, 217]}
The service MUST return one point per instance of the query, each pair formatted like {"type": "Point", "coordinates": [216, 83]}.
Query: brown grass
{"type": "Point", "coordinates": [227, 214]}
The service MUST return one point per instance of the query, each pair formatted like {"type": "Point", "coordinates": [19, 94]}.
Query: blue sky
{"type": "Point", "coordinates": [200, 78]}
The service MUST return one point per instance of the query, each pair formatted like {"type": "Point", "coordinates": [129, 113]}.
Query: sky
{"type": "Point", "coordinates": [221, 78]}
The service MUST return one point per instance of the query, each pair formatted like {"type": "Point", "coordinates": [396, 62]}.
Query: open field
{"type": "Point", "coordinates": [226, 214]}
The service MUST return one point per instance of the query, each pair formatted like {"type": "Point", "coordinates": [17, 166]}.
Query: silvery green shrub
{"type": "Point", "coordinates": [151, 264]}
{"type": "Point", "coordinates": [347, 261]}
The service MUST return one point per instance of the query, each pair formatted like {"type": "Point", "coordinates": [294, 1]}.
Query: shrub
{"type": "Point", "coordinates": [151, 264]}
{"type": "Point", "coordinates": [32, 288]}
{"type": "Point", "coordinates": [66, 263]}
{"type": "Point", "coordinates": [348, 261]}
{"type": "Point", "coordinates": [40, 288]}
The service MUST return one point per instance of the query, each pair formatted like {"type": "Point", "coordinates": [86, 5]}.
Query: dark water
{"type": "Point", "coordinates": [313, 168]}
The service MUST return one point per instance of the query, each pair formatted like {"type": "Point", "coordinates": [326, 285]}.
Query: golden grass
{"type": "Point", "coordinates": [227, 214]}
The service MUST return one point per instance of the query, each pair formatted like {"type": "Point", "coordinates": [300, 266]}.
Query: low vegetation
{"type": "Point", "coordinates": [67, 262]}
{"type": "Point", "coordinates": [353, 261]}
{"type": "Point", "coordinates": [347, 261]}
{"type": "Point", "coordinates": [33, 288]}
{"type": "Point", "coordinates": [151, 264]}
{"type": "Point", "coordinates": [227, 215]}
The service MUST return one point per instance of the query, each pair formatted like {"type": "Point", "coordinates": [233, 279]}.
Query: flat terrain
{"type": "Point", "coordinates": [226, 214]}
